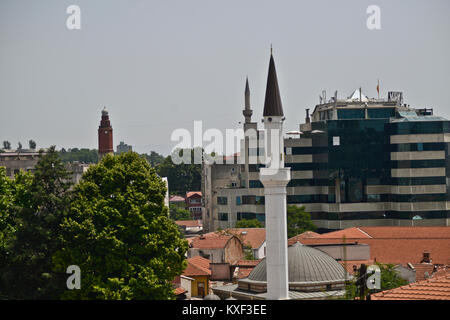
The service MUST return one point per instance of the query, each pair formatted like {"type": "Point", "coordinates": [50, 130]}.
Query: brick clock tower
{"type": "Point", "coordinates": [105, 135]}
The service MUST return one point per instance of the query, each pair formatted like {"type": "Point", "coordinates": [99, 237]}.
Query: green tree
{"type": "Point", "coordinates": [6, 223]}
{"type": "Point", "coordinates": [249, 223]}
{"type": "Point", "coordinates": [40, 202]}
{"type": "Point", "coordinates": [390, 278]}
{"type": "Point", "coordinates": [182, 177]}
{"type": "Point", "coordinates": [298, 221]}
{"type": "Point", "coordinates": [6, 145]}
{"type": "Point", "coordinates": [154, 158]}
{"type": "Point", "coordinates": [79, 155]}
{"type": "Point", "coordinates": [32, 144]}
{"type": "Point", "coordinates": [118, 232]}
{"type": "Point", "coordinates": [179, 213]}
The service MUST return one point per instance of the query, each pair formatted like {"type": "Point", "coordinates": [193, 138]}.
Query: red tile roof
{"type": "Point", "coordinates": [422, 269]}
{"type": "Point", "coordinates": [246, 263]}
{"type": "Point", "coordinates": [350, 233]}
{"type": "Point", "coordinates": [192, 193]}
{"type": "Point", "coordinates": [396, 245]}
{"type": "Point", "coordinates": [212, 240]}
{"type": "Point", "coordinates": [177, 199]}
{"type": "Point", "coordinates": [189, 223]}
{"type": "Point", "coordinates": [243, 272]}
{"type": "Point", "coordinates": [254, 237]}
{"type": "Point", "coordinates": [179, 290]}
{"type": "Point", "coordinates": [197, 266]}
{"type": "Point", "coordinates": [304, 235]}
{"type": "Point", "coordinates": [436, 288]}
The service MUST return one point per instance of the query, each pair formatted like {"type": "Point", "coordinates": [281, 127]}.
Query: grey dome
{"type": "Point", "coordinates": [211, 297]}
{"type": "Point", "coordinates": [305, 265]}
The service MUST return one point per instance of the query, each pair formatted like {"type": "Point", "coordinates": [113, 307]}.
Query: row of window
{"type": "Point", "coordinates": [224, 216]}
{"type": "Point", "coordinates": [395, 147]}
{"type": "Point", "coordinates": [438, 163]}
{"type": "Point", "coordinates": [418, 127]}
{"type": "Point", "coordinates": [376, 113]}
{"type": "Point", "coordinates": [414, 215]}
{"type": "Point", "coordinates": [241, 200]}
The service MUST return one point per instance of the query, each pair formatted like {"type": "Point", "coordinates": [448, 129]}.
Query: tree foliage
{"type": "Point", "coordinates": [249, 223]}
{"type": "Point", "coordinates": [182, 177]}
{"type": "Point", "coordinates": [40, 201]}
{"type": "Point", "coordinates": [32, 144]}
{"type": "Point", "coordinates": [153, 158]}
{"type": "Point", "coordinates": [6, 145]}
{"type": "Point", "coordinates": [79, 155]}
{"type": "Point", "coordinates": [177, 213]}
{"type": "Point", "coordinates": [298, 221]}
{"type": "Point", "coordinates": [118, 232]}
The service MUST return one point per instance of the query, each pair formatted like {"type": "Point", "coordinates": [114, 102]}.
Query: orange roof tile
{"type": "Point", "coordinates": [210, 240]}
{"type": "Point", "coordinates": [350, 233]}
{"type": "Point", "coordinates": [407, 232]}
{"type": "Point", "coordinates": [244, 272]}
{"type": "Point", "coordinates": [254, 237]}
{"type": "Point", "coordinates": [304, 235]}
{"type": "Point", "coordinates": [436, 288]}
{"type": "Point", "coordinates": [395, 245]}
{"type": "Point", "coordinates": [179, 290]}
{"type": "Point", "coordinates": [197, 266]}
{"type": "Point", "coordinates": [177, 199]}
{"type": "Point", "coordinates": [191, 193]}
{"type": "Point", "coordinates": [246, 263]}
{"type": "Point", "coordinates": [422, 269]}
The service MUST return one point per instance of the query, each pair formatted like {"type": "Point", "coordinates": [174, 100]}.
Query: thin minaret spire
{"type": "Point", "coordinates": [247, 112]}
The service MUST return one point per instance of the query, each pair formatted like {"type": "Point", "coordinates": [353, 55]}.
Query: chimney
{"type": "Point", "coordinates": [426, 257]}
{"type": "Point", "coordinates": [307, 120]}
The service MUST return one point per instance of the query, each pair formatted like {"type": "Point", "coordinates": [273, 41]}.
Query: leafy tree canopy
{"type": "Point", "coordinates": [40, 200]}
{"type": "Point", "coordinates": [298, 221]}
{"type": "Point", "coordinates": [249, 223]}
{"type": "Point", "coordinates": [177, 213]}
{"type": "Point", "coordinates": [118, 232]}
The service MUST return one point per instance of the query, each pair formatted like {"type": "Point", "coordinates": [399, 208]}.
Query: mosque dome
{"type": "Point", "coordinates": [309, 269]}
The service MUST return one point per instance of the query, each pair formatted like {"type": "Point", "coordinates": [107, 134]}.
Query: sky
{"type": "Point", "coordinates": [161, 65]}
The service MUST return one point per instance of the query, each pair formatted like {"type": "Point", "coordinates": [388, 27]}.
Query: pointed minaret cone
{"type": "Point", "coordinates": [272, 103]}
{"type": "Point", "coordinates": [247, 111]}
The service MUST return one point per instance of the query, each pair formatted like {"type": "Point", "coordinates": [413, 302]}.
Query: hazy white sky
{"type": "Point", "coordinates": [160, 65]}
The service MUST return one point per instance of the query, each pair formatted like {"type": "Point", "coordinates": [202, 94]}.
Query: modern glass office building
{"type": "Point", "coordinates": [356, 161]}
{"type": "Point", "coordinates": [371, 162]}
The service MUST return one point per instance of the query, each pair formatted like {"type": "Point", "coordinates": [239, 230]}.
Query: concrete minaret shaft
{"type": "Point", "coordinates": [275, 177]}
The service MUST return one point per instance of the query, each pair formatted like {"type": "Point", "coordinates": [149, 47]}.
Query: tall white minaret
{"type": "Point", "coordinates": [275, 177]}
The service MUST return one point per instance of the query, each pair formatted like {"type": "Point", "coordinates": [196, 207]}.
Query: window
{"type": "Point", "coordinates": [288, 151]}
{"type": "Point", "coordinates": [351, 114]}
{"type": "Point", "coordinates": [381, 113]}
{"type": "Point", "coordinates": [420, 146]}
{"type": "Point", "coordinates": [336, 141]}
{"type": "Point", "coordinates": [223, 216]}
{"type": "Point", "coordinates": [238, 200]}
{"type": "Point", "coordinates": [222, 200]}
{"type": "Point", "coordinates": [255, 184]}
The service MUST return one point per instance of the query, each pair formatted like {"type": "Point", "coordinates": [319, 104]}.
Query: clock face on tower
{"type": "Point", "coordinates": [106, 132]}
